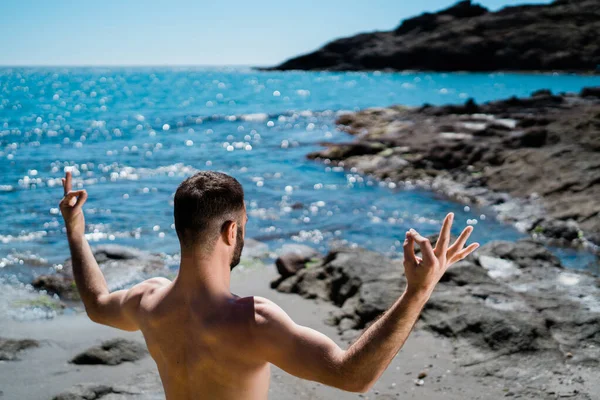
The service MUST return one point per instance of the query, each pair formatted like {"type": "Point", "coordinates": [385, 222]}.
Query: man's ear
{"type": "Point", "coordinates": [229, 232]}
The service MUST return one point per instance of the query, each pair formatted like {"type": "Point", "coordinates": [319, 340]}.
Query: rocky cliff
{"type": "Point", "coordinates": [561, 36]}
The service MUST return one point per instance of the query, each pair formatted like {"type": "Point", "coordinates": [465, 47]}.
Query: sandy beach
{"type": "Point", "coordinates": [44, 372]}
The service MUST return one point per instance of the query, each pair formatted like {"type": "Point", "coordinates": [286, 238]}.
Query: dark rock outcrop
{"type": "Point", "coordinates": [510, 310]}
{"type": "Point", "coordinates": [120, 265]}
{"type": "Point", "coordinates": [9, 348]}
{"type": "Point", "coordinates": [467, 37]}
{"type": "Point", "coordinates": [62, 285]}
{"type": "Point", "coordinates": [535, 160]}
{"type": "Point", "coordinates": [361, 282]}
{"type": "Point", "coordinates": [293, 258]}
{"type": "Point", "coordinates": [111, 352]}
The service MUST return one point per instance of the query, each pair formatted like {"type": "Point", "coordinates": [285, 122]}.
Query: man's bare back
{"type": "Point", "coordinates": [207, 342]}
{"type": "Point", "coordinates": [202, 348]}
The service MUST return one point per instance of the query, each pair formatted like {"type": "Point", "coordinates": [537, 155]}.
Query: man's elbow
{"type": "Point", "coordinates": [352, 379]}
{"type": "Point", "coordinates": [93, 314]}
{"type": "Point", "coordinates": [355, 383]}
{"type": "Point", "coordinates": [92, 309]}
{"type": "Point", "coordinates": [355, 386]}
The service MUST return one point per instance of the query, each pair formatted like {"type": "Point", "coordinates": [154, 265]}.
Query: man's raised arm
{"type": "Point", "coordinates": [311, 355]}
{"type": "Point", "coordinates": [115, 309]}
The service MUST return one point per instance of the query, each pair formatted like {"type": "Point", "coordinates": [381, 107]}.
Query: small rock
{"type": "Point", "coordinates": [590, 91]}
{"type": "Point", "coordinates": [111, 352]}
{"type": "Point", "coordinates": [61, 285]}
{"type": "Point", "coordinates": [419, 382]}
{"type": "Point", "coordinates": [293, 258]}
{"type": "Point", "coordinates": [92, 392]}
{"type": "Point", "coordinates": [10, 347]}
{"type": "Point", "coordinates": [569, 355]}
{"type": "Point", "coordinates": [556, 229]}
{"type": "Point", "coordinates": [541, 92]}
{"type": "Point", "coordinates": [422, 374]}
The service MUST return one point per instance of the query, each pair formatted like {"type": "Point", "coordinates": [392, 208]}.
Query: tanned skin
{"type": "Point", "coordinates": [211, 344]}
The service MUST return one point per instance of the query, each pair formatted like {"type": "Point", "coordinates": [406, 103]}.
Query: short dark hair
{"type": "Point", "coordinates": [203, 203]}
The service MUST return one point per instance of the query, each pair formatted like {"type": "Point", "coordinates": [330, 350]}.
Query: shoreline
{"type": "Point", "coordinates": [392, 144]}
{"type": "Point", "coordinates": [441, 71]}
{"type": "Point", "coordinates": [44, 372]}
{"type": "Point", "coordinates": [491, 327]}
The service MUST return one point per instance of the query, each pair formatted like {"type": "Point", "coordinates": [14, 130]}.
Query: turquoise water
{"type": "Point", "coordinates": [131, 135]}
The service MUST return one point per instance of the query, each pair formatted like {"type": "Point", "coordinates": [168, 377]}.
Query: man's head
{"type": "Point", "coordinates": [209, 209]}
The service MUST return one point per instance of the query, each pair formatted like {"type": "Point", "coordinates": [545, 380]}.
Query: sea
{"type": "Point", "coordinates": [130, 135]}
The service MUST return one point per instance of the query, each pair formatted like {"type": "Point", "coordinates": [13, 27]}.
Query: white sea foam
{"type": "Point", "coordinates": [258, 117]}
{"type": "Point", "coordinates": [23, 237]}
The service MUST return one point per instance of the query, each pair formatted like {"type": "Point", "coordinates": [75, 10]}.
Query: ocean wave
{"type": "Point", "coordinates": [25, 258]}
{"type": "Point", "coordinates": [88, 174]}
{"type": "Point", "coordinates": [23, 237]}
{"type": "Point", "coordinates": [287, 116]}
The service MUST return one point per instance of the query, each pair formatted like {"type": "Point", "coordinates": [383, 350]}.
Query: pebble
{"type": "Point", "coordinates": [422, 374]}
{"type": "Point", "coordinates": [419, 382]}
{"type": "Point", "coordinates": [569, 355]}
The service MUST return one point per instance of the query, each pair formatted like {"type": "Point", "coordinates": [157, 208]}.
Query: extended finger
{"type": "Point", "coordinates": [424, 244]}
{"type": "Point", "coordinates": [462, 239]}
{"type": "Point", "coordinates": [409, 250]}
{"type": "Point", "coordinates": [67, 183]}
{"type": "Point", "coordinates": [444, 238]}
{"type": "Point", "coordinates": [465, 252]}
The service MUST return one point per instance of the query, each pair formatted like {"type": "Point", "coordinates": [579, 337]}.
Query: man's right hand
{"type": "Point", "coordinates": [422, 274]}
{"type": "Point", "coordinates": [71, 207]}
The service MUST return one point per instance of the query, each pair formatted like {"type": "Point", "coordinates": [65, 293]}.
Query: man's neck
{"type": "Point", "coordinates": [205, 276]}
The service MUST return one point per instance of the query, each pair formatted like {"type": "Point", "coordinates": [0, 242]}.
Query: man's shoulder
{"type": "Point", "coordinates": [147, 287]}
{"type": "Point", "coordinates": [267, 314]}
{"type": "Point", "coordinates": [259, 310]}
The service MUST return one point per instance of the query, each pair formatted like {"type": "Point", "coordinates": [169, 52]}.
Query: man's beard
{"type": "Point", "coordinates": [237, 252]}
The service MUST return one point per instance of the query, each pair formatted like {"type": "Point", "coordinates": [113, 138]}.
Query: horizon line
{"type": "Point", "coordinates": [128, 65]}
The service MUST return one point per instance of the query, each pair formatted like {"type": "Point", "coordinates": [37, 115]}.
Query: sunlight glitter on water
{"type": "Point", "coordinates": [130, 136]}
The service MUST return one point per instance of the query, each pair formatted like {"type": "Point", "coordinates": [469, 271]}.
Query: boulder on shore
{"type": "Point", "coordinates": [111, 352]}
{"type": "Point", "coordinates": [120, 265]}
{"type": "Point", "coordinates": [9, 348]}
{"type": "Point", "coordinates": [293, 258]}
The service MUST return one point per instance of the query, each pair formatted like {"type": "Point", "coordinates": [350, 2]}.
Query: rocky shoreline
{"type": "Point", "coordinates": [509, 319]}
{"type": "Point", "coordinates": [535, 161]}
{"type": "Point", "coordinates": [560, 36]}
{"type": "Point", "coordinates": [511, 312]}
{"type": "Point", "coordinates": [70, 357]}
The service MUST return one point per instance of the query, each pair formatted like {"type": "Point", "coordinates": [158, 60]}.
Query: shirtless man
{"type": "Point", "coordinates": [211, 344]}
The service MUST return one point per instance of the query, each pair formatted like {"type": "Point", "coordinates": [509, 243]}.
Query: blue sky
{"type": "Point", "coordinates": [219, 32]}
